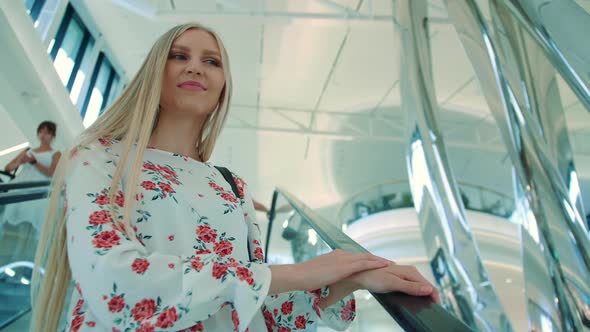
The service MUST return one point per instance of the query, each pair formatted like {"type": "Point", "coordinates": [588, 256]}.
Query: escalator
{"type": "Point", "coordinates": [296, 233]}
{"type": "Point", "coordinates": [17, 250]}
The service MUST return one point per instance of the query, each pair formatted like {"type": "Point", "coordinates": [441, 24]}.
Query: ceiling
{"type": "Point", "coordinates": [316, 107]}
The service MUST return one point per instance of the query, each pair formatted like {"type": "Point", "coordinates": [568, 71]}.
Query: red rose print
{"type": "Point", "coordinates": [114, 329]}
{"type": "Point", "coordinates": [102, 200]}
{"type": "Point", "coordinates": [104, 142]}
{"type": "Point", "coordinates": [139, 197]}
{"type": "Point", "coordinates": [235, 319]}
{"type": "Point", "coordinates": [100, 217]}
{"type": "Point", "coordinates": [250, 281]}
{"type": "Point", "coordinates": [256, 242]}
{"type": "Point", "coordinates": [348, 310]}
{"type": "Point", "coordinates": [167, 318]}
{"type": "Point", "coordinates": [171, 265]}
{"type": "Point", "coordinates": [316, 306]}
{"type": "Point", "coordinates": [215, 186]}
{"type": "Point", "coordinates": [287, 308]}
{"type": "Point", "coordinates": [171, 238]}
{"type": "Point", "coordinates": [232, 263]}
{"type": "Point", "coordinates": [300, 322]}
{"type": "Point", "coordinates": [219, 270]}
{"type": "Point", "coordinates": [148, 185]}
{"type": "Point", "coordinates": [229, 197]}
{"type": "Point", "coordinates": [243, 273]}
{"type": "Point", "coordinates": [85, 163]}
{"type": "Point", "coordinates": [146, 327]}
{"type": "Point", "coordinates": [106, 239]}
{"type": "Point", "coordinates": [259, 254]}
{"type": "Point", "coordinates": [206, 233]}
{"type": "Point", "coordinates": [140, 265]}
{"type": "Point", "coordinates": [78, 307]}
{"type": "Point", "coordinates": [164, 170]}
{"type": "Point", "coordinates": [120, 199]}
{"type": "Point", "coordinates": [223, 248]}
{"type": "Point", "coordinates": [171, 179]}
{"type": "Point", "coordinates": [203, 251]}
{"type": "Point", "coordinates": [150, 167]}
{"type": "Point", "coordinates": [165, 187]}
{"type": "Point", "coordinates": [284, 329]}
{"type": "Point", "coordinates": [276, 311]}
{"type": "Point", "coordinates": [104, 297]}
{"type": "Point", "coordinates": [200, 195]}
{"type": "Point", "coordinates": [240, 184]}
{"type": "Point", "coordinates": [269, 319]}
{"type": "Point", "coordinates": [91, 324]}
{"type": "Point", "coordinates": [77, 323]}
{"type": "Point", "coordinates": [116, 304]}
{"type": "Point", "coordinates": [144, 310]}
{"type": "Point", "coordinates": [197, 264]}
{"type": "Point", "coordinates": [197, 328]}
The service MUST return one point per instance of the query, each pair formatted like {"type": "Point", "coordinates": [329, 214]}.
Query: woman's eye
{"type": "Point", "coordinates": [178, 56]}
{"type": "Point", "coordinates": [212, 61]}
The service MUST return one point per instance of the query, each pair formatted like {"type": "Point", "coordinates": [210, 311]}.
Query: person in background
{"type": "Point", "coordinates": [21, 222]}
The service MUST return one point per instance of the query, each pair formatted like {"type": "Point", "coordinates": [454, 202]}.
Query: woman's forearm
{"type": "Point", "coordinates": [45, 170]}
{"type": "Point", "coordinates": [284, 279]}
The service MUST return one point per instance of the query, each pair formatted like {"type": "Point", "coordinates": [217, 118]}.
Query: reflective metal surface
{"type": "Point", "coordinates": [559, 26]}
{"type": "Point", "coordinates": [526, 66]}
{"type": "Point", "coordinates": [561, 231]}
{"type": "Point", "coordinates": [456, 263]}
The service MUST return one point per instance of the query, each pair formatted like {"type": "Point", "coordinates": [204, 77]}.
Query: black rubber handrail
{"type": "Point", "coordinates": [412, 313]}
{"type": "Point", "coordinates": [23, 185]}
{"type": "Point", "coordinates": [30, 195]}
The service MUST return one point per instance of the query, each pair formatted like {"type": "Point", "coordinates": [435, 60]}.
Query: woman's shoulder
{"type": "Point", "coordinates": [101, 148]}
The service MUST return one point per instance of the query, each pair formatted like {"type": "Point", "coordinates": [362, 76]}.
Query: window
{"type": "Point", "coordinates": [71, 51]}
{"type": "Point", "coordinates": [102, 85]}
{"type": "Point", "coordinates": [34, 8]}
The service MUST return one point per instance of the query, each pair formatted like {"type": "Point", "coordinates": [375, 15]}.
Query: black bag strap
{"type": "Point", "coordinates": [229, 178]}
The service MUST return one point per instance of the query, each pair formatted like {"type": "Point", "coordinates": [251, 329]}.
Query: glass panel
{"type": "Point", "coordinates": [113, 91]}
{"type": "Point", "coordinates": [64, 61]}
{"type": "Point", "coordinates": [83, 73]}
{"type": "Point", "coordinates": [29, 5]}
{"type": "Point", "coordinates": [20, 226]}
{"type": "Point", "coordinates": [98, 91]}
{"type": "Point", "coordinates": [292, 240]}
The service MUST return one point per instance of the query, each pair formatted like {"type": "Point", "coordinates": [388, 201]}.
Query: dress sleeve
{"type": "Point", "coordinates": [128, 287]}
{"type": "Point", "coordinates": [299, 310]}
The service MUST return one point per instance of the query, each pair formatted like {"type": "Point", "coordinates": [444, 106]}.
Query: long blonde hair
{"type": "Point", "coordinates": [126, 120]}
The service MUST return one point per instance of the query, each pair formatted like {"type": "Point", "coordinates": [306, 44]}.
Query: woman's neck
{"type": "Point", "coordinates": [177, 135]}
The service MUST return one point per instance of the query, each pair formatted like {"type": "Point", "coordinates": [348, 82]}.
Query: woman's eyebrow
{"type": "Point", "coordinates": [187, 49]}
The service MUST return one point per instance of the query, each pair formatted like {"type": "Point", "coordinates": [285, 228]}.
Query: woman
{"type": "Point", "coordinates": [152, 233]}
{"type": "Point", "coordinates": [21, 222]}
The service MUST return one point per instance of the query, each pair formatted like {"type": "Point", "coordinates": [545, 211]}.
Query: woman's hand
{"type": "Point", "coordinates": [322, 271]}
{"type": "Point", "coordinates": [394, 278]}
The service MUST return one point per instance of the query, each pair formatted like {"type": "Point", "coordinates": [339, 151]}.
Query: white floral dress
{"type": "Point", "coordinates": [186, 267]}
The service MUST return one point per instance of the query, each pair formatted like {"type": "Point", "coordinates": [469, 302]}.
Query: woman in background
{"type": "Point", "coordinates": [22, 222]}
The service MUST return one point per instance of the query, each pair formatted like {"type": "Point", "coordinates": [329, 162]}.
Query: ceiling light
{"type": "Point", "coordinates": [9, 271]}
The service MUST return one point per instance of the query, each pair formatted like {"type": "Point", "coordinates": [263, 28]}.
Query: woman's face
{"type": "Point", "coordinates": [45, 136]}
{"type": "Point", "coordinates": [193, 77]}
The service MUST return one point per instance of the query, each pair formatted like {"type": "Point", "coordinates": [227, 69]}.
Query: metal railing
{"type": "Point", "coordinates": [412, 313]}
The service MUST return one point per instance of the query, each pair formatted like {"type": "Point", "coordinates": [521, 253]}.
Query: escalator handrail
{"type": "Point", "coordinates": [412, 313]}
{"type": "Point", "coordinates": [23, 185]}
{"type": "Point", "coordinates": [29, 195]}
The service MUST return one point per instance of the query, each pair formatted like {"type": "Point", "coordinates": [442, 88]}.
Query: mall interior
{"type": "Point", "coordinates": [451, 135]}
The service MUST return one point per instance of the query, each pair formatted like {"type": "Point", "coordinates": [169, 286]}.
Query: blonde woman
{"type": "Point", "coordinates": [153, 236]}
